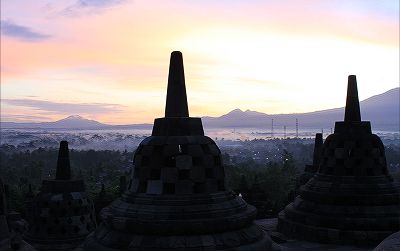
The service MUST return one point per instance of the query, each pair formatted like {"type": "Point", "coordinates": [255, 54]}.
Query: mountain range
{"type": "Point", "coordinates": [382, 110]}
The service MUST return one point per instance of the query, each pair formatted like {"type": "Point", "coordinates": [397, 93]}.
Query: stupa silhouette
{"type": "Point", "coordinates": [176, 198]}
{"type": "Point", "coordinates": [62, 215]}
{"type": "Point", "coordinates": [310, 170]}
{"type": "Point", "coordinates": [352, 198]}
{"type": "Point", "coordinates": [5, 231]}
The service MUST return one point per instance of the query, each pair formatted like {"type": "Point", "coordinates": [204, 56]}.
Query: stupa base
{"type": "Point", "coordinates": [251, 238]}
{"type": "Point", "coordinates": [301, 231]}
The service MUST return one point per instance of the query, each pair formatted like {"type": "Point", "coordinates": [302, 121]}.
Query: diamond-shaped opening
{"type": "Point", "coordinates": [158, 149]}
{"type": "Point", "coordinates": [170, 161]}
{"type": "Point", "coordinates": [170, 150]}
{"type": "Point", "coordinates": [195, 150]}
{"type": "Point", "coordinates": [145, 160]}
{"type": "Point", "coordinates": [209, 173]}
{"type": "Point", "coordinates": [184, 149]}
{"type": "Point", "coordinates": [50, 230]}
{"type": "Point", "coordinates": [155, 173]}
{"type": "Point", "coordinates": [221, 169]}
{"type": "Point", "coordinates": [142, 187]}
{"type": "Point", "coordinates": [221, 185]}
{"type": "Point", "coordinates": [63, 212]}
{"type": "Point", "coordinates": [169, 188]}
{"type": "Point", "coordinates": [184, 174]}
{"type": "Point", "coordinates": [205, 148]}
{"type": "Point", "coordinates": [199, 188]}
{"type": "Point", "coordinates": [197, 161]}
{"type": "Point", "coordinates": [349, 171]}
{"type": "Point", "coordinates": [217, 161]}
{"type": "Point", "coordinates": [147, 150]}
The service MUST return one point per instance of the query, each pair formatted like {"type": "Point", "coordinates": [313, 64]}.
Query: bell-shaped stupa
{"type": "Point", "coordinates": [257, 197]}
{"type": "Point", "coordinates": [176, 198]}
{"type": "Point", "coordinates": [62, 215]}
{"type": "Point", "coordinates": [5, 231]}
{"type": "Point", "coordinates": [352, 198]}
{"type": "Point", "coordinates": [310, 170]}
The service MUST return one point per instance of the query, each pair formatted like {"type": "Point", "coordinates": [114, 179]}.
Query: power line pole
{"type": "Point", "coordinates": [297, 128]}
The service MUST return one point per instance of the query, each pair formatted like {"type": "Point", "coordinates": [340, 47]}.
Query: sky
{"type": "Point", "coordinates": [108, 59]}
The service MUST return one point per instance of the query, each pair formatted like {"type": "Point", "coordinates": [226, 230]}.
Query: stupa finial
{"type": "Point", "coordinates": [317, 149]}
{"type": "Point", "coordinates": [63, 168]}
{"type": "Point", "coordinates": [176, 105]}
{"type": "Point", "coordinates": [352, 111]}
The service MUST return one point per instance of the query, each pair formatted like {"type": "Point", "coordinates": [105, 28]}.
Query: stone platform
{"type": "Point", "coordinates": [283, 243]}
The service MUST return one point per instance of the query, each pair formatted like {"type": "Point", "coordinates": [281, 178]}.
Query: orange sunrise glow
{"type": "Point", "coordinates": [267, 56]}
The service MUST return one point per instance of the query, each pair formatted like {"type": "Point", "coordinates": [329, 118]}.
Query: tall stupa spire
{"type": "Point", "coordinates": [63, 167]}
{"type": "Point", "coordinates": [176, 105]}
{"type": "Point", "coordinates": [339, 203]}
{"type": "Point", "coordinates": [176, 198]}
{"type": "Point", "coordinates": [318, 142]}
{"type": "Point", "coordinates": [61, 215]}
{"type": "Point", "coordinates": [352, 112]}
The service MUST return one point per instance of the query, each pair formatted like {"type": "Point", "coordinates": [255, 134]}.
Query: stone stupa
{"type": "Point", "coordinates": [176, 198]}
{"type": "Point", "coordinates": [5, 231]}
{"type": "Point", "coordinates": [352, 199]}
{"type": "Point", "coordinates": [10, 240]}
{"type": "Point", "coordinates": [310, 170]}
{"type": "Point", "coordinates": [258, 198]}
{"type": "Point", "coordinates": [62, 214]}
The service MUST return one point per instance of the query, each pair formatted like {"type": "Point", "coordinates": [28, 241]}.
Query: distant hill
{"type": "Point", "coordinates": [382, 110]}
{"type": "Point", "coordinates": [71, 122]}
{"type": "Point", "coordinates": [76, 121]}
